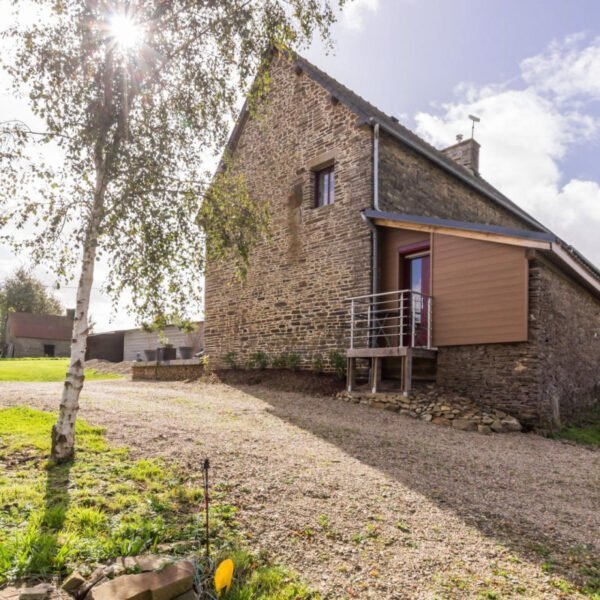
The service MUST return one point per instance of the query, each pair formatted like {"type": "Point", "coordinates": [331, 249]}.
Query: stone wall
{"type": "Point", "coordinates": [410, 183]}
{"type": "Point", "coordinates": [568, 345]}
{"type": "Point", "coordinates": [34, 347]}
{"type": "Point", "coordinates": [551, 379]}
{"type": "Point", "coordinates": [294, 297]}
{"type": "Point", "coordinates": [163, 372]}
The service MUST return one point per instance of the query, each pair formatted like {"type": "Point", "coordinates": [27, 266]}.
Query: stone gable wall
{"type": "Point", "coordinates": [294, 297]}
{"type": "Point", "coordinates": [410, 183]}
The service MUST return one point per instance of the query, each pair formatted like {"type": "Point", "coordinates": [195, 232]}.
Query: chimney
{"type": "Point", "coordinates": [465, 153]}
{"type": "Point", "coordinates": [71, 313]}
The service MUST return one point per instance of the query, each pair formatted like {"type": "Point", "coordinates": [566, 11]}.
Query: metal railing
{"type": "Point", "coordinates": [390, 320]}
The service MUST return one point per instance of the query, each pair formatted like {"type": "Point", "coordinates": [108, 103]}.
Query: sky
{"type": "Point", "coordinates": [529, 69]}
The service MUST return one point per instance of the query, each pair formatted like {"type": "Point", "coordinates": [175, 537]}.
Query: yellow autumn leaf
{"type": "Point", "coordinates": [223, 576]}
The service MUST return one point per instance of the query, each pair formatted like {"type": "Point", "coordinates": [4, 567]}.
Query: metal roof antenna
{"type": "Point", "coordinates": [475, 120]}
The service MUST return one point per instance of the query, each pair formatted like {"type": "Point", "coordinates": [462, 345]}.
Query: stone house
{"type": "Point", "coordinates": [37, 335]}
{"type": "Point", "coordinates": [449, 277]}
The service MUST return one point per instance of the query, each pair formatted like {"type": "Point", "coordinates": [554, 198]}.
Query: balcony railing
{"type": "Point", "coordinates": [391, 320]}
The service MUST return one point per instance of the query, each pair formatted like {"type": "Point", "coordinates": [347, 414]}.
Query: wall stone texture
{"type": "Point", "coordinates": [34, 347]}
{"type": "Point", "coordinates": [410, 183]}
{"type": "Point", "coordinates": [161, 372]}
{"type": "Point", "coordinates": [294, 297]}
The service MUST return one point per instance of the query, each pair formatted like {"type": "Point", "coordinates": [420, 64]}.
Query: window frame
{"type": "Point", "coordinates": [319, 173]}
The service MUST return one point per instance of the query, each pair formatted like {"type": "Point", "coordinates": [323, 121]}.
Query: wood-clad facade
{"type": "Point", "coordinates": [479, 287]}
{"type": "Point", "coordinates": [479, 290]}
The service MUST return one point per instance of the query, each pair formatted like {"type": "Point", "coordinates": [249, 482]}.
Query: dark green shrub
{"type": "Point", "coordinates": [258, 360]}
{"type": "Point", "coordinates": [318, 364]}
{"type": "Point", "coordinates": [280, 361]}
{"type": "Point", "coordinates": [337, 361]}
{"type": "Point", "coordinates": [293, 361]}
{"type": "Point", "coordinates": [231, 360]}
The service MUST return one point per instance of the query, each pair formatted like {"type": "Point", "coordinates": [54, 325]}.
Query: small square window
{"type": "Point", "coordinates": [324, 187]}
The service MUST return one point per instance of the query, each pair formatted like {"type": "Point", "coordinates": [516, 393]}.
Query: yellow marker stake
{"type": "Point", "coordinates": [223, 576]}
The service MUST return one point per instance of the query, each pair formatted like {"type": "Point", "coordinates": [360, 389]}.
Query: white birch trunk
{"type": "Point", "coordinates": [63, 432]}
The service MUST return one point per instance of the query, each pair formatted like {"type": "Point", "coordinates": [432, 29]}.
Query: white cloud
{"type": "Point", "coordinates": [527, 132]}
{"type": "Point", "coordinates": [355, 11]}
{"type": "Point", "coordinates": [566, 70]}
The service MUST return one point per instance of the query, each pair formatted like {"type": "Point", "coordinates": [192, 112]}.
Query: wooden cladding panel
{"type": "Point", "coordinates": [390, 278]}
{"type": "Point", "coordinates": [479, 292]}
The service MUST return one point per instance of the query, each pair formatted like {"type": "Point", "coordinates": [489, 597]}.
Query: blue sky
{"type": "Point", "coordinates": [529, 68]}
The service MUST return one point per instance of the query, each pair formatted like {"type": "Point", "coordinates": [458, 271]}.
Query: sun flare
{"type": "Point", "coordinates": [126, 32]}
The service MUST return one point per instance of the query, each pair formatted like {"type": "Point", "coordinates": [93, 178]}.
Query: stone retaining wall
{"type": "Point", "coordinates": [177, 370]}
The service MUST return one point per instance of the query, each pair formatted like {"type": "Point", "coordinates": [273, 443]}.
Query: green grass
{"type": "Point", "coordinates": [42, 369]}
{"type": "Point", "coordinates": [587, 432]}
{"type": "Point", "coordinates": [105, 504]}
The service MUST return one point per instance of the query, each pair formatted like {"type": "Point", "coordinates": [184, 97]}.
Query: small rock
{"type": "Point", "coordinates": [39, 592]}
{"type": "Point", "coordinates": [73, 582]}
{"type": "Point", "coordinates": [511, 424]}
{"type": "Point", "coordinates": [497, 426]}
{"type": "Point", "coordinates": [146, 562]}
{"type": "Point", "coordinates": [464, 425]}
{"type": "Point", "coordinates": [426, 417]}
{"type": "Point", "coordinates": [484, 429]}
{"type": "Point", "coordinates": [97, 576]}
{"type": "Point", "coordinates": [441, 421]}
{"type": "Point", "coordinates": [171, 582]}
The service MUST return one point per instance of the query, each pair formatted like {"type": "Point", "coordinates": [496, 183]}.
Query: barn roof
{"type": "Point", "coordinates": [45, 327]}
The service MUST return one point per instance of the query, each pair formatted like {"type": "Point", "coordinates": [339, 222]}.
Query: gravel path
{"type": "Point", "coordinates": [364, 503]}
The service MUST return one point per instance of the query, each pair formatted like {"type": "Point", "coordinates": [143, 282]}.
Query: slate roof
{"type": "Point", "coordinates": [45, 327]}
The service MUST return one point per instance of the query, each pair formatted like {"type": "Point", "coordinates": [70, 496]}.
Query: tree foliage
{"type": "Point", "coordinates": [134, 96]}
{"type": "Point", "coordinates": [22, 292]}
{"type": "Point", "coordinates": [129, 132]}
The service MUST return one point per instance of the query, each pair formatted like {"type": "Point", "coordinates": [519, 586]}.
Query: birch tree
{"type": "Point", "coordinates": [134, 95]}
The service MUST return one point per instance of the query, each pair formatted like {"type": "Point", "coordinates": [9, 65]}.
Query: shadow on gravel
{"type": "Point", "coordinates": [493, 482]}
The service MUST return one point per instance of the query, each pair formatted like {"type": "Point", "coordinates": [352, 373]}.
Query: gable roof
{"type": "Point", "coordinates": [45, 327]}
{"type": "Point", "coordinates": [369, 114]}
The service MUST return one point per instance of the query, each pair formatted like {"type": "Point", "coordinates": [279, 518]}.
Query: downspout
{"type": "Point", "coordinates": [375, 251]}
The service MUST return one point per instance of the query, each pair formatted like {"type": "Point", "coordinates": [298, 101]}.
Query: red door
{"type": "Point", "coordinates": [415, 271]}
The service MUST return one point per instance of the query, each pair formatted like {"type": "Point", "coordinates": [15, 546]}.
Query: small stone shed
{"type": "Point", "coordinates": [38, 335]}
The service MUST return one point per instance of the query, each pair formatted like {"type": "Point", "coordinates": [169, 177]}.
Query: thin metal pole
{"type": "Point", "coordinates": [205, 468]}
{"type": "Point", "coordinates": [401, 319]}
{"type": "Point", "coordinates": [429, 312]}
{"type": "Point", "coordinates": [352, 326]}
{"type": "Point", "coordinates": [412, 319]}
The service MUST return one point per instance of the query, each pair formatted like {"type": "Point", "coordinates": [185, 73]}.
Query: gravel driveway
{"type": "Point", "coordinates": [365, 503]}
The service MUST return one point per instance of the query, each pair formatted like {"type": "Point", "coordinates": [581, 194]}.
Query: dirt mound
{"type": "Point", "coordinates": [105, 366]}
{"type": "Point", "coordinates": [305, 382]}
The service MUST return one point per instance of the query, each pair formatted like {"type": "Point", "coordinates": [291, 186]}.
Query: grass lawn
{"type": "Point", "coordinates": [42, 369]}
{"type": "Point", "coordinates": [587, 432]}
{"type": "Point", "coordinates": [105, 504]}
